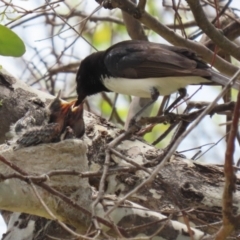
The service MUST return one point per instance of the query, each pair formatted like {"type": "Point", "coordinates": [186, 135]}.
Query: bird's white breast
{"type": "Point", "coordinates": [143, 87]}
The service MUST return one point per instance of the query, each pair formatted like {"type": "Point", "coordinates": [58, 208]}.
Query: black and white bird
{"type": "Point", "coordinates": [139, 68]}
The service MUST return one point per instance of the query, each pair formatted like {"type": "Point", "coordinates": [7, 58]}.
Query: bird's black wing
{"type": "Point", "coordinates": [140, 59]}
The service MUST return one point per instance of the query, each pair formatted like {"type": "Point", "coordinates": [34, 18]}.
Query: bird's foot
{"type": "Point", "coordinates": [134, 124]}
{"type": "Point", "coordinates": [154, 94]}
{"type": "Point", "coordinates": [182, 94]}
{"type": "Point", "coordinates": [170, 117]}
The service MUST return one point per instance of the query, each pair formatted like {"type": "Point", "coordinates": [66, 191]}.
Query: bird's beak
{"type": "Point", "coordinates": [77, 109]}
{"type": "Point", "coordinates": [79, 102]}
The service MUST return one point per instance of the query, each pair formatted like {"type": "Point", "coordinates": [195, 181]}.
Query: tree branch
{"type": "Point", "coordinates": [217, 37]}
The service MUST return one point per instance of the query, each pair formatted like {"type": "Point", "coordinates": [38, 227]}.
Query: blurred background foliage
{"type": "Point", "coordinates": [59, 34]}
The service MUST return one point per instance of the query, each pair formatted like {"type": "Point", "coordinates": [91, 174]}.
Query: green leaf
{"type": "Point", "coordinates": [10, 43]}
{"type": "Point", "coordinates": [102, 36]}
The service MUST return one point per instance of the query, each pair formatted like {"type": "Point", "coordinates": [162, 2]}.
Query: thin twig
{"type": "Point", "coordinates": [64, 226]}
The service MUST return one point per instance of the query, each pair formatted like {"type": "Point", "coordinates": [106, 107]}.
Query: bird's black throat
{"type": "Point", "coordinates": [89, 76]}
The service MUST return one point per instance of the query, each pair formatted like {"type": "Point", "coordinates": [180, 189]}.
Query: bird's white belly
{"type": "Point", "coordinates": [143, 87]}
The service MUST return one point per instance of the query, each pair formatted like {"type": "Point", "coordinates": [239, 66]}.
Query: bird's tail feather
{"type": "Point", "coordinates": [223, 80]}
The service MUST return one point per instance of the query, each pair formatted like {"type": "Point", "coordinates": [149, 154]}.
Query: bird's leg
{"type": "Point", "coordinates": [154, 97]}
{"type": "Point", "coordinates": [182, 94]}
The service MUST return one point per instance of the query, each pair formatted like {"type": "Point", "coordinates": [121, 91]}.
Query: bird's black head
{"type": "Point", "coordinates": [89, 75]}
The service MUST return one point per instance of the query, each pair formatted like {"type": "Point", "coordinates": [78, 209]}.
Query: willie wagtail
{"type": "Point", "coordinates": [138, 67]}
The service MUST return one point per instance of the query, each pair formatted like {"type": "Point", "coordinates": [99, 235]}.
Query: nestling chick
{"type": "Point", "coordinates": [63, 121]}
{"type": "Point", "coordinates": [35, 116]}
{"type": "Point", "coordinates": [75, 120]}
